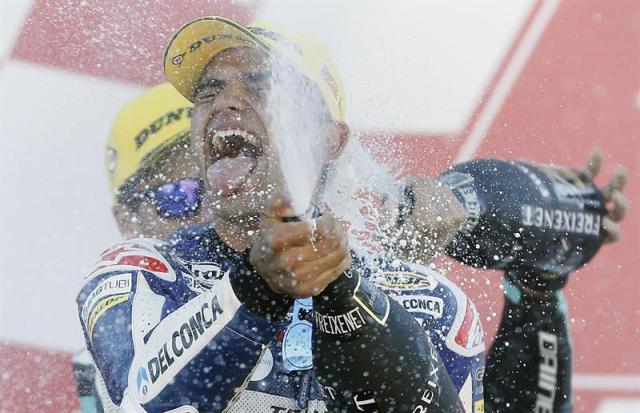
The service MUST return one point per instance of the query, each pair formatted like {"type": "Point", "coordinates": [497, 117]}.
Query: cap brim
{"type": "Point", "coordinates": [196, 43]}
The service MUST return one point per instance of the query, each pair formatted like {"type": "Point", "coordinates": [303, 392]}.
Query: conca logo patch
{"type": "Point", "coordinates": [433, 306]}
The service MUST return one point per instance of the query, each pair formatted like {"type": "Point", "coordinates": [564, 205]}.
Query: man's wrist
{"type": "Point", "coordinates": [536, 285]}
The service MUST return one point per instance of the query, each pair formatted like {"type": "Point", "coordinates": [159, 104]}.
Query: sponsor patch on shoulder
{"type": "Point", "coordinates": [202, 276]}
{"type": "Point", "coordinates": [466, 336]}
{"type": "Point", "coordinates": [117, 284]}
{"type": "Point", "coordinates": [139, 253]}
{"type": "Point", "coordinates": [101, 308]}
{"type": "Point", "coordinates": [402, 280]}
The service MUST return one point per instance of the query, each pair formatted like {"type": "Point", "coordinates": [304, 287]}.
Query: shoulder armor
{"type": "Point", "coordinates": [136, 254]}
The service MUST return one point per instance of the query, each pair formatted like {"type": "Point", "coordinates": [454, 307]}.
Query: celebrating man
{"type": "Point", "coordinates": [162, 342]}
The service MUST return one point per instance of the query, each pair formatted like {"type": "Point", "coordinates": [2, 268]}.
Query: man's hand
{"type": "Point", "coordinates": [437, 211]}
{"type": "Point", "coordinates": [617, 203]}
{"type": "Point", "coordinates": [299, 259]}
{"type": "Point", "coordinates": [435, 219]}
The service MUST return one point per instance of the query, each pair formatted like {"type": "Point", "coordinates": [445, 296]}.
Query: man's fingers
{"type": "Point", "coordinates": [300, 258]}
{"type": "Point", "coordinates": [614, 233]}
{"type": "Point", "coordinates": [594, 162]}
{"type": "Point", "coordinates": [298, 234]}
{"type": "Point", "coordinates": [620, 206]}
{"type": "Point", "coordinates": [302, 287]}
{"type": "Point", "coordinates": [259, 252]}
{"type": "Point", "coordinates": [317, 285]}
{"type": "Point", "coordinates": [286, 235]}
{"type": "Point", "coordinates": [328, 228]}
{"type": "Point", "coordinates": [618, 181]}
{"type": "Point", "coordinates": [616, 184]}
{"type": "Point", "coordinates": [278, 206]}
{"type": "Point", "coordinates": [310, 269]}
{"type": "Point", "coordinates": [312, 252]}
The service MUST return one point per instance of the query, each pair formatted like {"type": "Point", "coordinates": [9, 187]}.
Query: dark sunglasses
{"type": "Point", "coordinates": [173, 200]}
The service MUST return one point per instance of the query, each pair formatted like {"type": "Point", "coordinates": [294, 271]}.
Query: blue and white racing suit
{"type": "Point", "coordinates": [167, 331]}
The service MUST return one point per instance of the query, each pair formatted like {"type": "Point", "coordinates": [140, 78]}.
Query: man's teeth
{"type": "Point", "coordinates": [219, 136]}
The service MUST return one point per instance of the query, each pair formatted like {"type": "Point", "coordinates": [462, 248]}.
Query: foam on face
{"type": "Point", "coordinates": [356, 184]}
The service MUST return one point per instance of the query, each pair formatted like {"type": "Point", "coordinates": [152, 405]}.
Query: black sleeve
{"type": "Point", "coordinates": [523, 215]}
{"type": "Point", "coordinates": [529, 364]}
{"type": "Point", "coordinates": [373, 354]}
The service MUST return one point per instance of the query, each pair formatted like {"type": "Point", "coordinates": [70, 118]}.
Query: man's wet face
{"type": "Point", "coordinates": [230, 133]}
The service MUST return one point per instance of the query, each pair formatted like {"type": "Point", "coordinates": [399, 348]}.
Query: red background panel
{"type": "Point", "coordinates": [114, 39]}
{"type": "Point", "coordinates": [36, 380]}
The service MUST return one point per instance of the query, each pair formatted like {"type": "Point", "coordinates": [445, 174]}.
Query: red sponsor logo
{"type": "Point", "coordinates": [131, 254]}
{"type": "Point", "coordinates": [470, 334]}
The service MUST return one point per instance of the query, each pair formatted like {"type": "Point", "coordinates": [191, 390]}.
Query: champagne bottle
{"type": "Point", "coordinates": [519, 215]}
{"type": "Point", "coordinates": [370, 354]}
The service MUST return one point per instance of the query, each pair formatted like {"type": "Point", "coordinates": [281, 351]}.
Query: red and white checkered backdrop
{"type": "Point", "coordinates": [542, 80]}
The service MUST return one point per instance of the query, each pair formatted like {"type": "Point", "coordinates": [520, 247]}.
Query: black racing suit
{"type": "Point", "coordinates": [538, 223]}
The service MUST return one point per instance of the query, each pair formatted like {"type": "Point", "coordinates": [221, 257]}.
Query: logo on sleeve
{"type": "Point", "coordinates": [101, 308]}
{"type": "Point", "coordinates": [463, 185]}
{"type": "Point", "coordinates": [117, 284]}
{"type": "Point", "coordinates": [401, 280]}
{"type": "Point", "coordinates": [203, 275]}
{"type": "Point", "coordinates": [466, 336]}
{"type": "Point", "coordinates": [183, 338]}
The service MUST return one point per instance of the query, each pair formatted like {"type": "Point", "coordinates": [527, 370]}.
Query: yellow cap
{"type": "Point", "coordinates": [143, 127]}
{"type": "Point", "coordinates": [195, 44]}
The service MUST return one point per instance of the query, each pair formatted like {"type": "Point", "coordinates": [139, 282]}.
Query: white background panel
{"type": "Point", "coordinates": [619, 405]}
{"type": "Point", "coordinates": [12, 14]}
{"type": "Point", "coordinates": [409, 66]}
{"type": "Point", "coordinates": [54, 217]}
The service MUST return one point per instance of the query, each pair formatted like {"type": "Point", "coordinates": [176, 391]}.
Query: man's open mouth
{"type": "Point", "coordinates": [234, 157]}
{"type": "Point", "coordinates": [232, 143]}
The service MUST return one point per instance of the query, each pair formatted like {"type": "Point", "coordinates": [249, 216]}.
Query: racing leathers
{"type": "Point", "coordinates": [538, 223]}
{"type": "Point", "coordinates": [188, 326]}
{"type": "Point", "coordinates": [529, 363]}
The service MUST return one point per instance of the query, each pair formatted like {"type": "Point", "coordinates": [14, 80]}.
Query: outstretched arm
{"type": "Point", "coordinates": [476, 208]}
{"type": "Point", "coordinates": [554, 226]}
{"type": "Point", "coordinates": [529, 364]}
